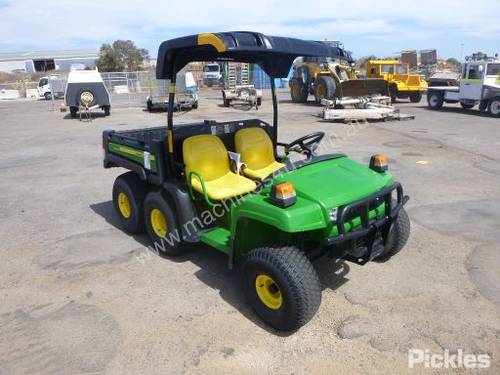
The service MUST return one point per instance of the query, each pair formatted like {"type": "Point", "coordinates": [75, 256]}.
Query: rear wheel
{"type": "Point", "coordinates": [397, 237]}
{"type": "Point", "coordinates": [298, 91]}
{"type": "Point", "coordinates": [225, 101]}
{"type": "Point", "coordinates": [161, 224]}
{"type": "Point", "coordinates": [259, 102]}
{"type": "Point", "coordinates": [107, 110]}
{"type": "Point", "coordinates": [73, 111]}
{"type": "Point", "coordinates": [494, 107]}
{"type": "Point", "coordinates": [282, 286]}
{"type": "Point", "coordinates": [416, 97]}
{"type": "Point", "coordinates": [128, 198]}
{"type": "Point", "coordinates": [435, 99]}
{"type": "Point", "coordinates": [324, 88]}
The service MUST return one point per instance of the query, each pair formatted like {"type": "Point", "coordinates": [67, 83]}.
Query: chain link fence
{"type": "Point", "coordinates": [126, 89]}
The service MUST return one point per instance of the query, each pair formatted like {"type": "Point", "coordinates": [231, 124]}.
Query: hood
{"type": "Point", "coordinates": [336, 182]}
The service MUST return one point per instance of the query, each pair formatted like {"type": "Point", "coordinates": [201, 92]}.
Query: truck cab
{"type": "Point", "coordinates": [479, 84]}
{"type": "Point", "coordinates": [212, 74]}
{"type": "Point", "coordinates": [50, 85]}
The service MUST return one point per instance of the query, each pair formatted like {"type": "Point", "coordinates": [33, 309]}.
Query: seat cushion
{"type": "Point", "coordinates": [261, 174]}
{"type": "Point", "coordinates": [257, 152]}
{"type": "Point", "coordinates": [224, 187]}
{"type": "Point", "coordinates": [255, 147]}
{"type": "Point", "coordinates": [206, 155]}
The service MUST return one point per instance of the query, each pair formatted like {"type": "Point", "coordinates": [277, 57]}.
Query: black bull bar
{"type": "Point", "coordinates": [368, 229]}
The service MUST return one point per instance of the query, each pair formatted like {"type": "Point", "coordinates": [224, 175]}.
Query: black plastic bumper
{"type": "Point", "coordinates": [369, 229]}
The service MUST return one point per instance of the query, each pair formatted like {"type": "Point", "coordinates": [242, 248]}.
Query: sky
{"type": "Point", "coordinates": [366, 27]}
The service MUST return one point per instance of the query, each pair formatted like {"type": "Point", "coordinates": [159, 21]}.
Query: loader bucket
{"type": "Point", "coordinates": [362, 87]}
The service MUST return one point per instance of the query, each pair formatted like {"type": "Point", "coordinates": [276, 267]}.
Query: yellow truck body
{"type": "Point", "coordinates": [402, 83]}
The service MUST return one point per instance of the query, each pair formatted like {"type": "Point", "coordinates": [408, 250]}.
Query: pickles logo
{"type": "Point", "coordinates": [446, 359]}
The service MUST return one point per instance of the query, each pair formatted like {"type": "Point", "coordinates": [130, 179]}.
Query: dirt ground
{"type": "Point", "coordinates": [78, 295]}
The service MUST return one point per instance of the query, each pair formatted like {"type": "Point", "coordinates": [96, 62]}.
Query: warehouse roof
{"type": "Point", "coordinates": [61, 54]}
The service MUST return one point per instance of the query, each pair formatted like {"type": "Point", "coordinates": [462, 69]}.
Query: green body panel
{"type": "Point", "coordinates": [218, 238]}
{"type": "Point", "coordinates": [320, 187]}
{"type": "Point", "coordinates": [133, 154]}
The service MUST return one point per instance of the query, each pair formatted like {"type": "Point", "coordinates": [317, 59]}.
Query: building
{"type": "Point", "coordinates": [42, 61]}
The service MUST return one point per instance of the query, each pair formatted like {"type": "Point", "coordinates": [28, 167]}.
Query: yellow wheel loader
{"type": "Point", "coordinates": [330, 79]}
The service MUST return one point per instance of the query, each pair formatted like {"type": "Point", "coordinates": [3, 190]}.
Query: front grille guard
{"type": "Point", "coordinates": [361, 209]}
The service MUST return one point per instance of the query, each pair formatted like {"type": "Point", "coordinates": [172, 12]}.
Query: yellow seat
{"type": "Point", "coordinates": [257, 152]}
{"type": "Point", "coordinates": [207, 157]}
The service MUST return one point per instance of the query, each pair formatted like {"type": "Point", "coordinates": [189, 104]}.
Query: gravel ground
{"type": "Point", "coordinates": [78, 295]}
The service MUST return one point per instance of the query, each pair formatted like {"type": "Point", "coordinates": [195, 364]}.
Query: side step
{"type": "Point", "coordinates": [218, 238]}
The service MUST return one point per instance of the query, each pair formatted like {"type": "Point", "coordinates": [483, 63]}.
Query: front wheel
{"type": "Point", "coordinates": [107, 110]}
{"type": "Point", "coordinates": [282, 286]}
{"type": "Point", "coordinates": [494, 107]}
{"type": "Point", "coordinates": [416, 97]}
{"type": "Point", "coordinates": [435, 99]}
{"type": "Point", "coordinates": [324, 88]}
{"type": "Point", "coordinates": [397, 237]}
{"type": "Point", "coordinates": [48, 96]}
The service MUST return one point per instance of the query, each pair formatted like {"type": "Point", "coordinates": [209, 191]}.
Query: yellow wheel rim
{"type": "Point", "coordinates": [158, 223]}
{"type": "Point", "coordinates": [124, 205]}
{"type": "Point", "coordinates": [268, 291]}
{"type": "Point", "coordinates": [320, 91]}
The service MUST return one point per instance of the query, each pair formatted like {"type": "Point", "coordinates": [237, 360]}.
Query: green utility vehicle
{"type": "Point", "coordinates": [225, 184]}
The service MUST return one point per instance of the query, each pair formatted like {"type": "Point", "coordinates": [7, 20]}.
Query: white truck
{"type": "Point", "coordinates": [212, 74]}
{"type": "Point", "coordinates": [479, 85]}
{"type": "Point", "coordinates": [50, 85]}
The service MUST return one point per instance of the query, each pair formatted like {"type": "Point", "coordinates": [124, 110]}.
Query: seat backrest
{"type": "Point", "coordinates": [255, 147]}
{"type": "Point", "coordinates": [206, 155]}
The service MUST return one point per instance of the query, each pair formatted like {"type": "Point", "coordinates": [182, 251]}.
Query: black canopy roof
{"type": "Point", "coordinates": [274, 54]}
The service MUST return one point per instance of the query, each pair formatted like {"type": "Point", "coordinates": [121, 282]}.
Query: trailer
{"type": "Point", "coordinates": [238, 89]}
{"type": "Point", "coordinates": [186, 93]}
{"type": "Point", "coordinates": [85, 91]}
{"type": "Point", "coordinates": [479, 84]}
{"type": "Point", "coordinates": [375, 108]}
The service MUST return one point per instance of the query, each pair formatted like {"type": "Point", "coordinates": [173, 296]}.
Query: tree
{"type": "Point", "coordinates": [122, 55]}
{"type": "Point", "coordinates": [453, 64]}
{"type": "Point", "coordinates": [363, 61]}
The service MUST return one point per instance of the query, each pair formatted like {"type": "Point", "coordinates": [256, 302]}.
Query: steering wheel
{"type": "Point", "coordinates": [305, 145]}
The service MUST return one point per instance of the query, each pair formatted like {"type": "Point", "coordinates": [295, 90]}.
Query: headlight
{"type": "Point", "coordinates": [334, 214]}
{"type": "Point", "coordinates": [283, 194]}
{"type": "Point", "coordinates": [378, 163]}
